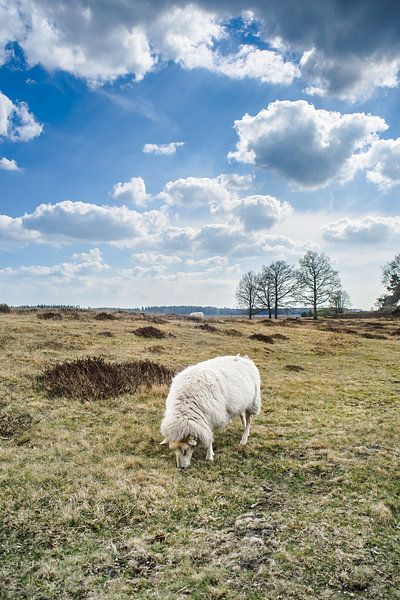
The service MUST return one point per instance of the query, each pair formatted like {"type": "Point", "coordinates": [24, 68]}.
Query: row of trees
{"type": "Point", "coordinates": [313, 283]}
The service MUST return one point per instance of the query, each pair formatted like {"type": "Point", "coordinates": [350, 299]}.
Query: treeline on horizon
{"type": "Point", "coordinates": [161, 309]}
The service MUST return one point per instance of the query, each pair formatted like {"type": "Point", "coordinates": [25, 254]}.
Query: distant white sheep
{"type": "Point", "coordinates": [206, 396]}
{"type": "Point", "coordinates": [197, 315]}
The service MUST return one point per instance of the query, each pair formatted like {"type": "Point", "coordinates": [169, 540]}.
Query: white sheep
{"type": "Point", "coordinates": [206, 396]}
{"type": "Point", "coordinates": [197, 315]}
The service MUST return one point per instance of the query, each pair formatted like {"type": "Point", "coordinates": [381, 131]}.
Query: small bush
{"type": "Point", "coordinates": [279, 336]}
{"type": "Point", "coordinates": [294, 368]}
{"type": "Point", "coordinates": [106, 333]}
{"type": "Point", "coordinates": [49, 314]}
{"type": "Point", "coordinates": [4, 308]}
{"type": "Point", "coordinates": [104, 316]}
{"type": "Point", "coordinates": [95, 379]}
{"type": "Point", "coordinates": [260, 337]}
{"type": "Point", "coordinates": [150, 332]}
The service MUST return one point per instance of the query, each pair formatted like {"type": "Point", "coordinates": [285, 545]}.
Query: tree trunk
{"type": "Point", "coordinates": [276, 302]}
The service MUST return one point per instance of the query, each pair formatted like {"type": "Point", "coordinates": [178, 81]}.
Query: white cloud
{"type": "Point", "coordinates": [8, 164]}
{"type": "Point", "coordinates": [308, 146]}
{"type": "Point", "coordinates": [162, 149]}
{"type": "Point", "coordinates": [151, 258]}
{"type": "Point", "coordinates": [17, 123]}
{"type": "Point", "coordinates": [352, 79]}
{"type": "Point", "coordinates": [261, 212]}
{"type": "Point", "coordinates": [82, 264]}
{"type": "Point", "coordinates": [195, 192]}
{"type": "Point", "coordinates": [251, 62]}
{"type": "Point", "coordinates": [382, 162]}
{"type": "Point", "coordinates": [68, 221]}
{"type": "Point", "coordinates": [370, 229]}
{"type": "Point", "coordinates": [133, 191]}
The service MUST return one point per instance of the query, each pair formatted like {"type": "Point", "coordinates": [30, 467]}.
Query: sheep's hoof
{"type": "Point", "coordinates": [243, 441]}
{"type": "Point", "coordinates": [210, 458]}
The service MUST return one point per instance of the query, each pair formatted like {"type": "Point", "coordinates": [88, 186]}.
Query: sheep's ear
{"type": "Point", "coordinates": [192, 442]}
{"type": "Point", "coordinates": [164, 442]}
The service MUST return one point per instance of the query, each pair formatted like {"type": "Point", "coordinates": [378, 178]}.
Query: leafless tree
{"type": "Point", "coordinates": [391, 280]}
{"type": "Point", "coordinates": [317, 280]}
{"type": "Point", "coordinates": [246, 293]}
{"type": "Point", "coordinates": [284, 282]}
{"type": "Point", "coordinates": [339, 301]}
{"type": "Point", "coordinates": [265, 290]}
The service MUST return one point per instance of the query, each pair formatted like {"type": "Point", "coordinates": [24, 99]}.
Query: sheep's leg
{"type": "Point", "coordinates": [246, 432]}
{"type": "Point", "coordinates": [243, 419]}
{"type": "Point", "coordinates": [210, 452]}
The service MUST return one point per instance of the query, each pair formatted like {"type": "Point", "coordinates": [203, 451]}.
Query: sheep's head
{"type": "Point", "coordinates": [183, 451]}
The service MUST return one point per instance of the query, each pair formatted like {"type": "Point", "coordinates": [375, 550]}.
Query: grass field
{"type": "Point", "coordinates": [93, 508]}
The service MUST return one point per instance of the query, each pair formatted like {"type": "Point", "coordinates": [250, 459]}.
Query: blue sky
{"type": "Point", "coordinates": [152, 152]}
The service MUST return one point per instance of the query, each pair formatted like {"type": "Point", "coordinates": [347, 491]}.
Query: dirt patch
{"type": "Point", "coordinates": [105, 316]}
{"type": "Point", "coordinates": [294, 368]}
{"type": "Point", "coordinates": [279, 336]}
{"type": "Point", "coordinates": [106, 334]}
{"type": "Point", "coordinates": [207, 327]}
{"type": "Point", "coordinates": [260, 337]}
{"type": "Point", "coordinates": [150, 332]}
{"type": "Point", "coordinates": [13, 425]}
{"type": "Point", "coordinates": [95, 379]}
{"type": "Point", "coordinates": [49, 314]}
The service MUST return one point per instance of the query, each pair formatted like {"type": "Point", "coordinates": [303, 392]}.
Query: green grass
{"type": "Point", "coordinates": [93, 508]}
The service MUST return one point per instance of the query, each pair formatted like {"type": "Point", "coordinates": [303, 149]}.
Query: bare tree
{"type": "Point", "coordinates": [246, 293]}
{"type": "Point", "coordinates": [265, 290]}
{"type": "Point", "coordinates": [317, 280]}
{"type": "Point", "coordinates": [339, 301]}
{"type": "Point", "coordinates": [391, 280]}
{"type": "Point", "coordinates": [284, 282]}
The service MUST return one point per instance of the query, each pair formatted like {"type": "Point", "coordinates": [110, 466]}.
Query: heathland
{"type": "Point", "coordinates": [91, 507]}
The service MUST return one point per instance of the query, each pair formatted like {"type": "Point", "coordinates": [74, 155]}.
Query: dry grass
{"type": "Point", "coordinates": [93, 508]}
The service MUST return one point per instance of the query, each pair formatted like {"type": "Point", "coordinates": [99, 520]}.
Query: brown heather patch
{"type": "Point", "coordinates": [49, 314]}
{"type": "Point", "coordinates": [279, 336]}
{"type": "Point", "coordinates": [95, 379]}
{"type": "Point", "coordinates": [207, 327]}
{"type": "Point", "coordinates": [105, 316]}
{"type": "Point", "coordinates": [260, 337]}
{"type": "Point", "coordinates": [294, 368]}
{"type": "Point", "coordinates": [150, 332]}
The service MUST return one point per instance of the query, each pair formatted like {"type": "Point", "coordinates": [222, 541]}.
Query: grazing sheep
{"type": "Point", "coordinates": [197, 315]}
{"type": "Point", "coordinates": [206, 396]}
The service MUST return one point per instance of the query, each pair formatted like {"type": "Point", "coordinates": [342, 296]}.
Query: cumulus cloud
{"type": "Point", "coordinates": [17, 123]}
{"type": "Point", "coordinates": [370, 229]}
{"type": "Point", "coordinates": [382, 162]}
{"type": "Point", "coordinates": [308, 146]}
{"type": "Point", "coordinates": [151, 258]}
{"type": "Point", "coordinates": [68, 221]}
{"type": "Point", "coordinates": [162, 149]}
{"type": "Point", "coordinates": [100, 45]}
{"type": "Point", "coordinates": [8, 164]}
{"type": "Point", "coordinates": [261, 212]}
{"type": "Point", "coordinates": [133, 190]}
{"type": "Point", "coordinates": [81, 264]}
{"type": "Point", "coordinates": [195, 192]}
